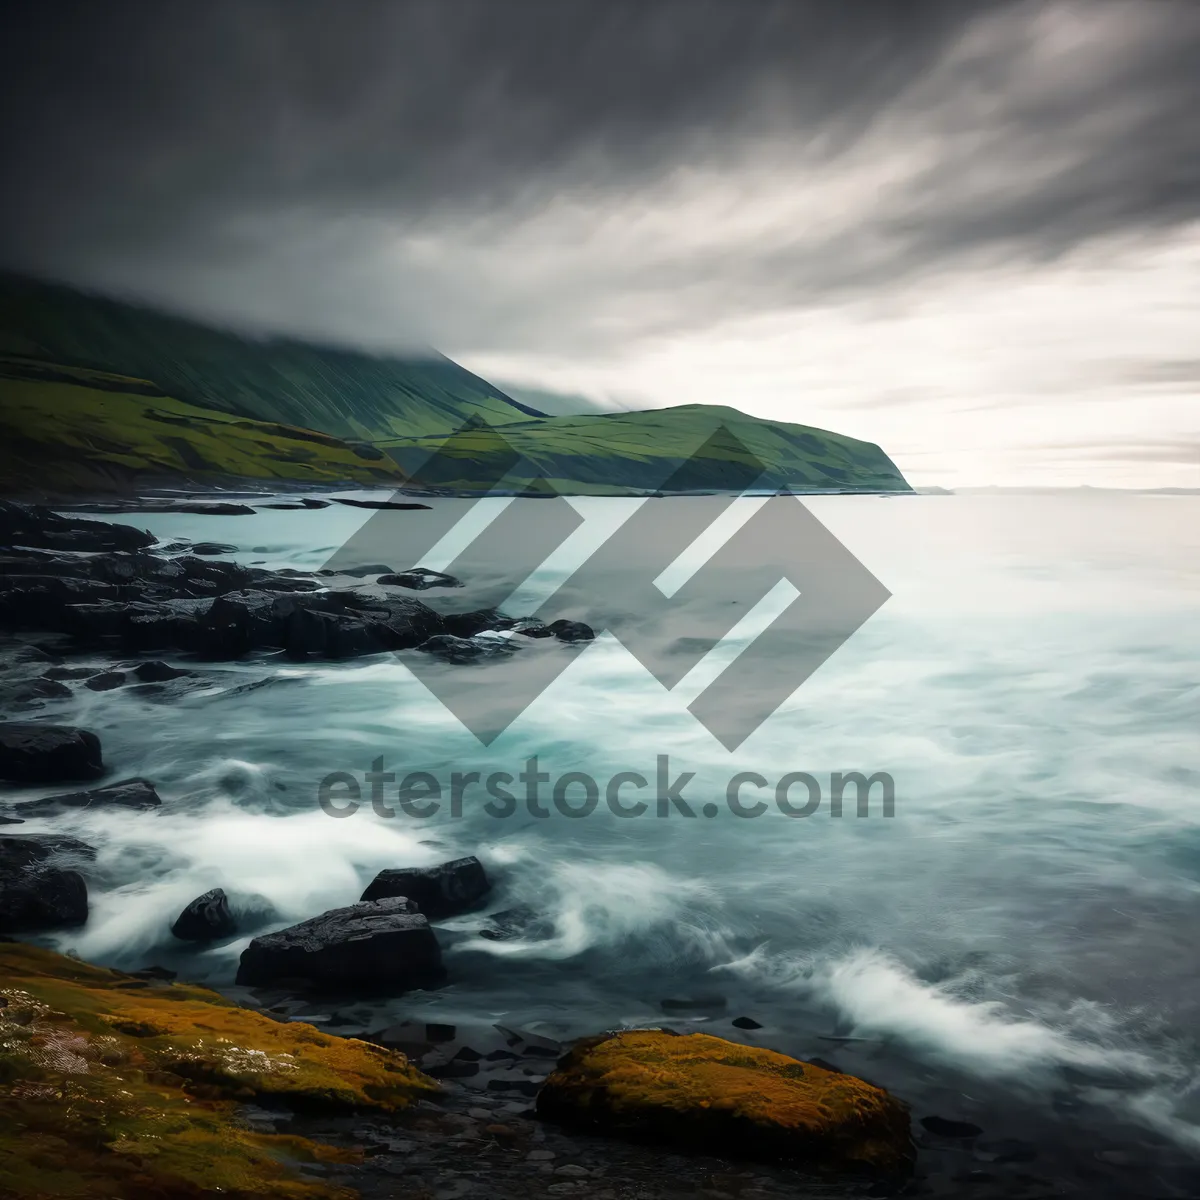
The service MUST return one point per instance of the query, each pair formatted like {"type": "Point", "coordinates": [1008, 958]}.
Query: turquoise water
{"type": "Point", "coordinates": [1024, 923]}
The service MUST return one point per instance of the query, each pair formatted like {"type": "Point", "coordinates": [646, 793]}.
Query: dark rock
{"type": "Point", "coordinates": [441, 891]}
{"type": "Point", "coordinates": [388, 504]}
{"type": "Point", "coordinates": [468, 624]}
{"type": "Point", "coordinates": [532, 627]}
{"type": "Point", "coordinates": [363, 570]}
{"type": "Point", "coordinates": [745, 1023]}
{"type": "Point", "coordinates": [39, 890]}
{"type": "Point", "coordinates": [35, 753]}
{"type": "Point", "coordinates": [12, 820]}
{"type": "Point", "coordinates": [31, 693]}
{"type": "Point", "coordinates": [212, 548]}
{"type": "Point", "coordinates": [435, 1032]}
{"type": "Point", "coordinates": [40, 601]}
{"type": "Point", "coordinates": [206, 919]}
{"type": "Point", "coordinates": [380, 944]}
{"type": "Point", "coordinates": [453, 649]}
{"type": "Point", "coordinates": [58, 673]}
{"type": "Point", "coordinates": [130, 793]}
{"type": "Point", "coordinates": [157, 672]}
{"type": "Point", "coordinates": [512, 923]}
{"type": "Point", "coordinates": [571, 631]}
{"type": "Point", "coordinates": [331, 635]}
{"type": "Point", "coordinates": [420, 579]}
{"type": "Point", "coordinates": [209, 510]}
{"type": "Point", "coordinates": [33, 525]}
{"type": "Point", "coordinates": [944, 1127]}
{"type": "Point", "coordinates": [106, 681]}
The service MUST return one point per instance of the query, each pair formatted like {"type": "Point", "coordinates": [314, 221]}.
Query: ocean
{"type": "Point", "coordinates": [1015, 943]}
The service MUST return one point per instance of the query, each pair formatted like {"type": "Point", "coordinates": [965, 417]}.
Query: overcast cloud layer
{"type": "Point", "coordinates": [968, 231]}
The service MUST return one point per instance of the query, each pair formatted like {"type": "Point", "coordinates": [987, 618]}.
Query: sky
{"type": "Point", "coordinates": [967, 231]}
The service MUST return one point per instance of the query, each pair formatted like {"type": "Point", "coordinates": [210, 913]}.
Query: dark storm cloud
{"type": "Point", "coordinates": [258, 160]}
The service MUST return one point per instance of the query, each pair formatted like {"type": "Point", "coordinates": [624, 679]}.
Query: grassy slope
{"type": "Point", "coordinates": [71, 428]}
{"type": "Point", "coordinates": [110, 1087]}
{"type": "Point", "coordinates": [404, 406]}
{"type": "Point", "coordinates": [342, 392]}
{"type": "Point", "coordinates": [614, 451]}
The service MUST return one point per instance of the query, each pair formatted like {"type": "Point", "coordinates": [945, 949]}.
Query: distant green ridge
{"type": "Point", "coordinates": [606, 453]}
{"type": "Point", "coordinates": [347, 393]}
{"type": "Point", "coordinates": [357, 404]}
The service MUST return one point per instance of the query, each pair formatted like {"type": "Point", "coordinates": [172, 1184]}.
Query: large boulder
{"type": "Point", "coordinates": [39, 887]}
{"type": "Point", "coordinates": [442, 891]}
{"type": "Point", "coordinates": [206, 919]}
{"type": "Point", "coordinates": [137, 794]}
{"type": "Point", "coordinates": [708, 1094]}
{"type": "Point", "coordinates": [34, 753]}
{"type": "Point", "coordinates": [383, 945]}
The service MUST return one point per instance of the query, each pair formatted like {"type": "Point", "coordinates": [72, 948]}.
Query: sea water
{"type": "Point", "coordinates": [1024, 924]}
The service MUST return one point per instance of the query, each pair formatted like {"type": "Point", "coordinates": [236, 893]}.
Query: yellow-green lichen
{"type": "Point", "coordinates": [113, 1087]}
{"type": "Point", "coordinates": [729, 1099]}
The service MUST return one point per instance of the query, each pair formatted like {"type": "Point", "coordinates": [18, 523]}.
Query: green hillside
{"type": "Point", "coordinates": [342, 392]}
{"type": "Point", "coordinates": [96, 392]}
{"type": "Point", "coordinates": [70, 429]}
{"type": "Point", "coordinates": [612, 452]}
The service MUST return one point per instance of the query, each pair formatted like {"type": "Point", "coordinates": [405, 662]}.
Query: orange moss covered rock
{"type": "Point", "coordinates": [113, 1086]}
{"type": "Point", "coordinates": [738, 1101]}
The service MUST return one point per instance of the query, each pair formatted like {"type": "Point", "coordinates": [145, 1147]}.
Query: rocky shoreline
{"type": "Point", "coordinates": [89, 605]}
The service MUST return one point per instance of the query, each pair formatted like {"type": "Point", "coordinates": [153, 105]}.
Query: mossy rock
{"type": "Point", "coordinates": [708, 1094]}
{"type": "Point", "coordinates": [112, 1086]}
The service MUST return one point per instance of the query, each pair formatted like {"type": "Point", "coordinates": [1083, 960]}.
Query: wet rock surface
{"type": "Point", "coordinates": [375, 945]}
{"type": "Point", "coordinates": [111, 588]}
{"type": "Point", "coordinates": [136, 794]}
{"type": "Point", "coordinates": [441, 891]}
{"type": "Point", "coordinates": [208, 918]}
{"type": "Point", "coordinates": [40, 887]}
{"type": "Point", "coordinates": [36, 753]}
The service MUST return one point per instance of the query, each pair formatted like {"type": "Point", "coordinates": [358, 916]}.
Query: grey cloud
{"type": "Point", "coordinates": [1184, 450]}
{"type": "Point", "coordinates": [248, 159]}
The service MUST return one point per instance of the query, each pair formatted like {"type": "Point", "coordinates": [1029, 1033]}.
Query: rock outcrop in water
{"type": "Point", "coordinates": [442, 891]}
{"type": "Point", "coordinates": [40, 889]}
{"type": "Point", "coordinates": [206, 919]}
{"type": "Point", "coordinates": [137, 795]}
{"type": "Point", "coordinates": [381, 945]}
{"type": "Point", "coordinates": [107, 591]}
{"type": "Point", "coordinates": [35, 753]}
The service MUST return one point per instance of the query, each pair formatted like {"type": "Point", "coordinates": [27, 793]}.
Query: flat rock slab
{"type": "Point", "coordinates": [137, 794]}
{"type": "Point", "coordinates": [382, 945]}
{"type": "Point", "coordinates": [382, 504]}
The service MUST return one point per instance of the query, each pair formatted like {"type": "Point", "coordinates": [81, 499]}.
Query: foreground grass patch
{"type": "Point", "coordinates": [110, 1086]}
